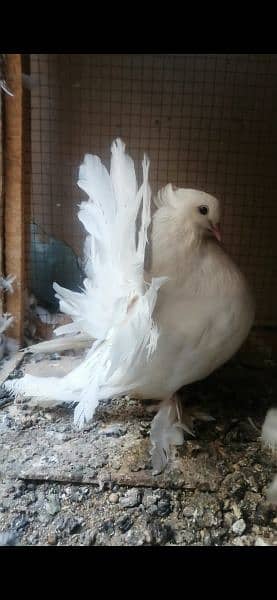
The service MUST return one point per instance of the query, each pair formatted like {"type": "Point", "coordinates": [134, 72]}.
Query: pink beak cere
{"type": "Point", "coordinates": [216, 231]}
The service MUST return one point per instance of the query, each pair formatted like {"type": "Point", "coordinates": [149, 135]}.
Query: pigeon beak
{"type": "Point", "coordinates": [216, 231]}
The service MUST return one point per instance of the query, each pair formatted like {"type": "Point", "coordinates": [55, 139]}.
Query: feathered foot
{"type": "Point", "coordinates": [168, 428]}
{"type": "Point", "coordinates": [164, 432]}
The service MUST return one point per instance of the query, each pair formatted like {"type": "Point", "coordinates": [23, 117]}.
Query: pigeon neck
{"type": "Point", "coordinates": [193, 238]}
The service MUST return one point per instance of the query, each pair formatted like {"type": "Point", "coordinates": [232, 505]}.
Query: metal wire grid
{"type": "Point", "coordinates": [206, 122]}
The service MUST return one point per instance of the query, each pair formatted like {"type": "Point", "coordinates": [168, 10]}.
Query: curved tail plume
{"type": "Point", "coordinates": [116, 305]}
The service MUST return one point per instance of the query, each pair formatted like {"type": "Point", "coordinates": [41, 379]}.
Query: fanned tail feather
{"type": "Point", "coordinates": [116, 305]}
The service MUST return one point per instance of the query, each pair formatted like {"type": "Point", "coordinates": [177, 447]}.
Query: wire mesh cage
{"type": "Point", "coordinates": [206, 121]}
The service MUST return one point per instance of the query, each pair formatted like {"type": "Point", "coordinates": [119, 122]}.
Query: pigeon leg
{"type": "Point", "coordinates": [165, 431]}
{"type": "Point", "coordinates": [168, 428]}
{"type": "Point", "coordinates": [187, 417]}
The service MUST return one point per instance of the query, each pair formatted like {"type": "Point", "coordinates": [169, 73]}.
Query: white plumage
{"type": "Point", "coordinates": [153, 332]}
{"type": "Point", "coordinates": [115, 308]}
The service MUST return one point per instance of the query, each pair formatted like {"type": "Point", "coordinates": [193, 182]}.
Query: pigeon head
{"type": "Point", "coordinates": [200, 211]}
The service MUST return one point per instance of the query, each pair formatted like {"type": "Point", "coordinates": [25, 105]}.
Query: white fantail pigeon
{"type": "Point", "coordinates": [153, 331]}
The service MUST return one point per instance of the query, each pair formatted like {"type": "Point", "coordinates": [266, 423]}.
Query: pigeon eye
{"type": "Point", "coordinates": [203, 210]}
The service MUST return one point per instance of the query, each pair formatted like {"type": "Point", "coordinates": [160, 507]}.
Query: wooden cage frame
{"type": "Point", "coordinates": [14, 184]}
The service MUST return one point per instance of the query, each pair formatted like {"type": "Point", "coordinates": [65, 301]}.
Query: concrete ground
{"type": "Point", "coordinates": [60, 486]}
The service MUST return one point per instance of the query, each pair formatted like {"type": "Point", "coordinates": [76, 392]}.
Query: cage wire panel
{"type": "Point", "coordinates": [206, 121]}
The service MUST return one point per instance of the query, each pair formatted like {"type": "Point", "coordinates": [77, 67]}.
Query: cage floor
{"type": "Point", "coordinates": [60, 486]}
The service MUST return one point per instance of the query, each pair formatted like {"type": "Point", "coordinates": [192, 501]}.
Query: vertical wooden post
{"type": "Point", "coordinates": [13, 190]}
{"type": "Point", "coordinates": [1, 196]}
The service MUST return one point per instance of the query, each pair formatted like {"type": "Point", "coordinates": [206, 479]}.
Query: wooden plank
{"type": "Point", "coordinates": [14, 197]}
